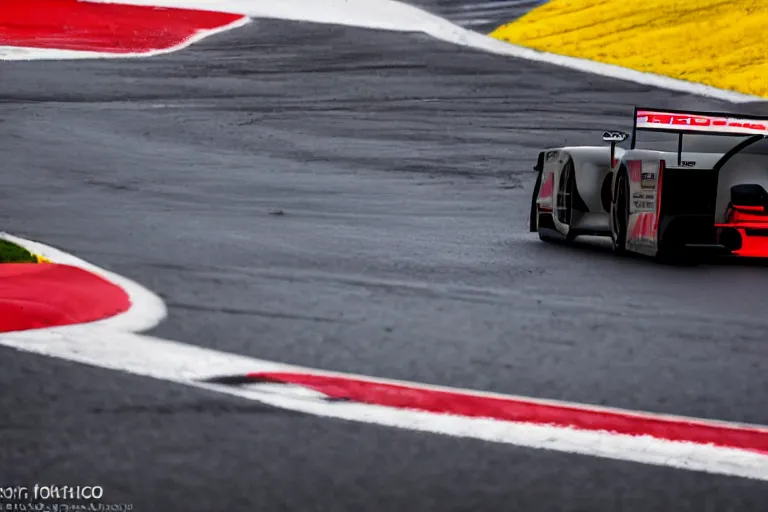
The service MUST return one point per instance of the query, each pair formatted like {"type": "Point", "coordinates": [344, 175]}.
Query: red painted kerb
{"type": "Point", "coordinates": [467, 404]}
{"type": "Point", "coordinates": [101, 27]}
{"type": "Point", "coordinates": [34, 296]}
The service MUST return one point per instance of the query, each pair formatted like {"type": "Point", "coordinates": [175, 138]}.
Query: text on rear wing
{"type": "Point", "coordinates": [669, 121]}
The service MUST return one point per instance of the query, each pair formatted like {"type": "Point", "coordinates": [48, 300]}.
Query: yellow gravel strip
{"type": "Point", "coordinates": [722, 43]}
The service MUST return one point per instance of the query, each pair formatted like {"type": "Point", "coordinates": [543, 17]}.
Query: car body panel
{"type": "Point", "coordinates": [591, 167]}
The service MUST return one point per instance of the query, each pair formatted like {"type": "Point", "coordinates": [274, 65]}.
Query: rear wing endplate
{"type": "Point", "coordinates": [682, 122]}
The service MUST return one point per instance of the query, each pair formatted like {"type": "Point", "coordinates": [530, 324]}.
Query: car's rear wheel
{"type": "Point", "coordinates": [673, 250]}
{"type": "Point", "coordinates": [620, 213]}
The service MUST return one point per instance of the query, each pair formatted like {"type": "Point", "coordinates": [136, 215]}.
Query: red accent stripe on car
{"type": "Point", "coordinates": [547, 188]}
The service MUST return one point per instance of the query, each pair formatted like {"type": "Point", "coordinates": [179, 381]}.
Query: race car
{"type": "Point", "coordinates": [689, 180]}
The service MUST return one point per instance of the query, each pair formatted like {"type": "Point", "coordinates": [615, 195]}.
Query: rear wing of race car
{"type": "Point", "coordinates": [701, 123]}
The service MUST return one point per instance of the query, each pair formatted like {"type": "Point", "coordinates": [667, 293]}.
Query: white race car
{"type": "Point", "coordinates": [689, 179]}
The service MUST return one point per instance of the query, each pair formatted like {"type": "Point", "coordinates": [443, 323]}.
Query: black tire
{"type": "Point", "coordinates": [620, 213]}
{"type": "Point", "coordinates": [533, 222]}
{"type": "Point", "coordinates": [570, 193]}
{"type": "Point", "coordinates": [671, 248]}
{"type": "Point", "coordinates": [674, 252]}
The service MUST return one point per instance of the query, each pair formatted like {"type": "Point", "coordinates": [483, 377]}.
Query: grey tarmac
{"type": "Point", "coordinates": [354, 200]}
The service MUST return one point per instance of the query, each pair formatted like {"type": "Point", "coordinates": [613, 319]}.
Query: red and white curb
{"type": "Point", "coordinates": [76, 29]}
{"type": "Point", "coordinates": [374, 14]}
{"type": "Point", "coordinates": [679, 442]}
{"type": "Point", "coordinates": [147, 309]}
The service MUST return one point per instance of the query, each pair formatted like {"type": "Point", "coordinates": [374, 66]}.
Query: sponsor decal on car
{"type": "Point", "coordinates": [644, 201]}
{"type": "Point", "coordinates": [641, 204]}
{"type": "Point", "coordinates": [648, 180]}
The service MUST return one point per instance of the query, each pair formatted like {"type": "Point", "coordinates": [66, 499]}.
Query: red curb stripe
{"type": "Point", "coordinates": [33, 296]}
{"type": "Point", "coordinates": [108, 28]}
{"type": "Point", "coordinates": [509, 409]}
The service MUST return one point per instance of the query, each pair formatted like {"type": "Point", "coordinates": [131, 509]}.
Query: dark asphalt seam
{"type": "Point", "coordinates": [202, 407]}
{"type": "Point", "coordinates": [254, 312]}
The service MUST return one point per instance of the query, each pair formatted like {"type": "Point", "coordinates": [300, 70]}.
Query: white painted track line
{"type": "Point", "coordinates": [111, 345]}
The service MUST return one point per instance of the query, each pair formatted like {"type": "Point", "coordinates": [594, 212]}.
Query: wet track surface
{"type": "Point", "coordinates": [481, 16]}
{"type": "Point", "coordinates": [353, 200]}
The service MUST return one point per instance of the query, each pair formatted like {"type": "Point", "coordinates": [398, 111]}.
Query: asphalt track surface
{"type": "Point", "coordinates": [482, 15]}
{"type": "Point", "coordinates": [402, 169]}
